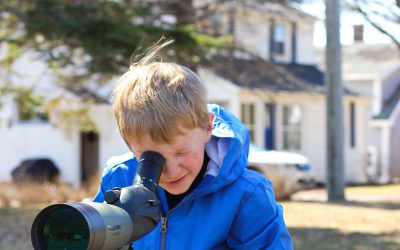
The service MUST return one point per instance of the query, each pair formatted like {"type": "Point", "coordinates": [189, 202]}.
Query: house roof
{"type": "Point", "coordinates": [264, 75]}
{"type": "Point", "coordinates": [365, 59]}
{"type": "Point", "coordinates": [277, 9]}
{"type": "Point", "coordinates": [389, 105]}
{"type": "Point", "coordinates": [267, 9]}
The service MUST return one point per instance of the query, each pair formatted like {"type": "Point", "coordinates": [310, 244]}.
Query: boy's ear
{"type": "Point", "coordinates": [210, 122]}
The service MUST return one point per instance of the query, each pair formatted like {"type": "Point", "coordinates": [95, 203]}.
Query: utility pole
{"type": "Point", "coordinates": [334, 93]}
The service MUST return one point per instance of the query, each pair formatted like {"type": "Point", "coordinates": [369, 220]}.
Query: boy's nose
{"type": "Point", "coordinates": [171, 170]}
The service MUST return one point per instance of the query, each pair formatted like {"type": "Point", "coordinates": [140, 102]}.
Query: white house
{"type": "Point", "coordinates": [371, 67]}
{"type": "Point", "coordinates": [279, 95]}
{"type": "Point", "coordinates": [79, 155]}
{"type": "Point", "coordinates": [373, 70]}
{"type": "Point", "coordinates": [283, 102]}
{"type": "Point", "coordinates": [370, 64]}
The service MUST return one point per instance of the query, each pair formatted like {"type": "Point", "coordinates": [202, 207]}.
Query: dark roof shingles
{"type": "Point", "coordinates": [261, 74]}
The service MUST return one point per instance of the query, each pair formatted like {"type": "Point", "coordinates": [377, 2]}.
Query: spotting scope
{"type": "Point", "coordinates": [126, 215]}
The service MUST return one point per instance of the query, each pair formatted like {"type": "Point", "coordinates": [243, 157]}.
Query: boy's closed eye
{"type": "Point", "coordinates": [183, 152]}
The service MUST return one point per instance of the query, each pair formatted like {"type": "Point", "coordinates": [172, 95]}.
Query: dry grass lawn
{"type": "Point", "coordinates": [369, 220]}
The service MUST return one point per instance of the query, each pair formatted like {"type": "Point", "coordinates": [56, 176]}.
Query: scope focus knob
{"type": "Point", "coordinates": [112, 195]}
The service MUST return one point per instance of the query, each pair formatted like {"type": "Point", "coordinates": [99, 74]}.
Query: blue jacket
{"type": "Point", "coordinates": [231, 208]}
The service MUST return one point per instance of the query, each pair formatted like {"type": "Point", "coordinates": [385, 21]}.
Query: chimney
{"type": "Point", "coordinates": [358, 31]}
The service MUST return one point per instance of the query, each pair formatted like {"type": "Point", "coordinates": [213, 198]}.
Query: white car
{"type": "Point", "coordinates": [287, 171]}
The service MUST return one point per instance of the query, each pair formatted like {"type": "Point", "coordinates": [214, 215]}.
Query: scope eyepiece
{"type": "Point", "coordinates": [149, 169]}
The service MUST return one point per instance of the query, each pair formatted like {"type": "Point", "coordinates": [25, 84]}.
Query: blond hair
{"type": "Point", "coordinates": [159, 99]}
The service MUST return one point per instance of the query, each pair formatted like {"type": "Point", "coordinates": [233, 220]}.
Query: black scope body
{"type": "Point", "coordinates": [126, 215]}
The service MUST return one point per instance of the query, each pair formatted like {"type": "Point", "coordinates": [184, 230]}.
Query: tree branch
{"type": "Point", "coordinates": [377, 26]}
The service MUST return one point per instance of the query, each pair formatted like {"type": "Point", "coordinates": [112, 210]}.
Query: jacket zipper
{"type": "Point", "coordinates": [163, 227]}
{"type": "Point", "coordinates": [163, 231]}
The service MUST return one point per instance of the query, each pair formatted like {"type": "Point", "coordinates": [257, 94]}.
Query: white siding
{"type": "Point", "coordinates": [355, 157]}
{"type": "Point", "coordinates": [313, 130]}
{"type": "Point", "coordinates": [305, 48]}
{"type": "Point", "coordinates": [253, 34]}
{"type": "Point", "coordinates": [252, 31]}
{"type": "Point", "coordinates": [314, 134]}
{"type": "Point", "coordinates": [220, 90]}
{"type": "Point", "coordinates": [110, 139]}
{"type": "Point", "coordinates": [29, 140]}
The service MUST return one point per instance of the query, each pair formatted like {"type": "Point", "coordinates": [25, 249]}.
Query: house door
{"type": "Point", "coordinates": [269, 126]}
{"type": "Point", "coordinates": [89, 155]}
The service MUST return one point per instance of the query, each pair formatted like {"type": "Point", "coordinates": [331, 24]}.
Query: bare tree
{"type": "Point", "coordinates": [376, 12]}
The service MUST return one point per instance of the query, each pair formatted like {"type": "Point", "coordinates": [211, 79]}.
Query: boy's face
{"type": "Point", "coordinates": [184, 157]}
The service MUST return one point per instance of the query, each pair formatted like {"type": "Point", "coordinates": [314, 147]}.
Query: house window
{"type": "Point", "coordinates": [292, 127]}
{"type": "Point", "coordinates": [278, 41]}
{"type": "Point", "coordinates": [247, 112]}
{"type": "Point", "coordinates": [352, 125]}
{"type": "Point", "coordinates": [358, 33]}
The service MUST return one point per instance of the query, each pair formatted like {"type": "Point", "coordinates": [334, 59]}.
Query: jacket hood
{"type": "Point", "coordinates": [228, 150]}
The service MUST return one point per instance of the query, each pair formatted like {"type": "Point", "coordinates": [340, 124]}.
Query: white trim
{"type": "Point", "coordinates": [359, 77]}
{"type": "Point", "coordinates": [380, 123]}
{"type": "Point", "coordinates": [376, 96]}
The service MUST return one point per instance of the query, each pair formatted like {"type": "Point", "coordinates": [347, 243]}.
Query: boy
{"type": "Point", "coordinates": [209, 199]}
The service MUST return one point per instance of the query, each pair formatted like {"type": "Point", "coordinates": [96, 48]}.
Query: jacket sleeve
{"type": "Point", "coordinates": [259, 223]}
{"type": "Point", "coordinates": [120, 175]}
